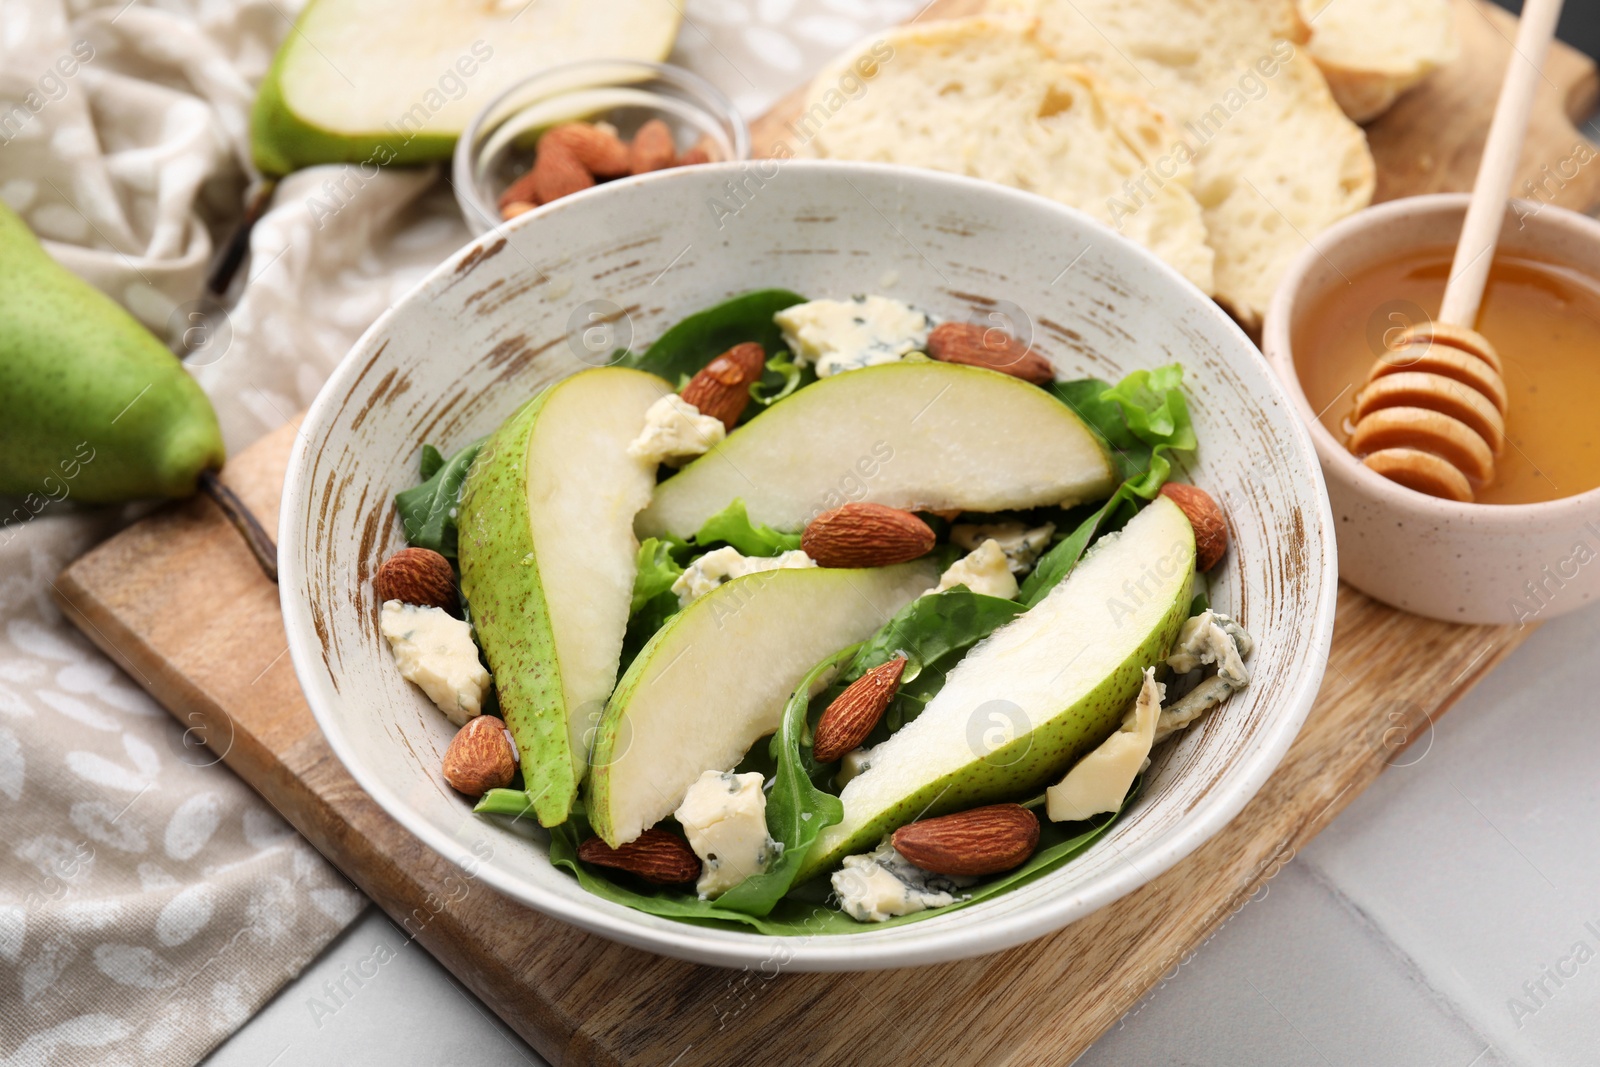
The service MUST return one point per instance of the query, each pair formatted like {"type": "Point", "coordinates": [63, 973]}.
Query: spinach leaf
{"type": "Point", "coordinates": [705, 335]}
{"type": "Point", "coordinates": [513, 802]}
{"type": "Point", "coordinates": [794, 916]}
{"type": "Point", "coordinates": [732, 524]}
{"type": "Point", "coordinates": [428, 511]}
{"type": "Point", "coordinates": [797, 811]}
{"type": "Point", "coordinates": [432, 460]}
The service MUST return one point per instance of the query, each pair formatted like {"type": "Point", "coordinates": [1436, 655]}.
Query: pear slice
{"type": "Point", "coordinates": [547, 565]}
{"type": "Point", "coordinates": [1035, 695]}
{"type": "Point", "coordinates": [379, 82]}
{"type": "Point", "coordinates": [714, 680]}
{"type": "Point", "coordinates": [919, 435]}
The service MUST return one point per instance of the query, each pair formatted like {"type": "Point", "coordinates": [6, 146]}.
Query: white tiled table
{"type": "Point", "coordinates": [1399, 937]}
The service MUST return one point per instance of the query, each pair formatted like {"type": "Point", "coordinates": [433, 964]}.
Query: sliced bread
{"type": "Point", "coordinates": [983, 97]}
{"type": "Point", "coordinates": [1371, 51]}
{"type": "Point", "coordinates": [1276, 161]}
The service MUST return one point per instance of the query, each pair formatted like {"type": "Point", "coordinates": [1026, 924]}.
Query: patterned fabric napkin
{"type": "Point", "coordinates": [150, 902]}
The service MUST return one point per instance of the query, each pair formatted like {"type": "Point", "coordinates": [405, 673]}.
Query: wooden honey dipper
{"type": "Point", "coordinates": [1431, 415]}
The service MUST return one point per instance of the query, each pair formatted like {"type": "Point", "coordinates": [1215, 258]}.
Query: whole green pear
{"type": "Point", "coordinates": [92, 406]}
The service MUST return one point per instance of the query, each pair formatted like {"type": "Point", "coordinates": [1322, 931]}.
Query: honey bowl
{"type": "Point", "coordinates": [1529, 547]}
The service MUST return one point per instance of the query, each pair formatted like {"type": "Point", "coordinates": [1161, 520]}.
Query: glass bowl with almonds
{"type": "Point", "coordinates": [575, 126]}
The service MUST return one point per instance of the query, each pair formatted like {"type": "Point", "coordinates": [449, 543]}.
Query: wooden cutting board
{"type": "Point", "coordinates": [178, 602]}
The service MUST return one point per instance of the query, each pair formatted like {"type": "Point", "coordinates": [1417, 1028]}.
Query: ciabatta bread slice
{"type": "Point", "coordinates": [983, 97]}
{"type": "Point", "coordinates": [1371, 51]}
{"type": "Point", "coordinates": [1276, 161]}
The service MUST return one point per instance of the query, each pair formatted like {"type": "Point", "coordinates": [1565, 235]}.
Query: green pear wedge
{"type": "Point", "coordinates": [918, 435]}
{"type": "Point", "coordinates": [92, 406]}
{"type": "Point", "coordinates": [380, 82]}
{"type": "Point", "coordinates": [548, 557]}
{"type": "Point", "coordinates": [714, 680]}
{"type": "Point", "coordinates": [1035, 695]}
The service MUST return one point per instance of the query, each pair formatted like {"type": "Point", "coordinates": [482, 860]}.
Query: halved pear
{"type": "Point", "coordinates": [396, 81]}
{"type": "Point", "coordinates": [547, 565]}
{"type": "Point", "coordinates": [918, 435]}
{"type": "Point", "coordinates": [1035, 695]}
{"type": "Point", "coordinates": [714, 680]}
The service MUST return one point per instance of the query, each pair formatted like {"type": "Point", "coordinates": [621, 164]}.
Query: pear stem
{"type": "Point", "coordinates": [244, 520]}
{"type": "Point", "coordinates": [226, 264]}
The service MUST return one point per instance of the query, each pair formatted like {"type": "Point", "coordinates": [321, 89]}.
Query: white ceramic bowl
{"type": "Point", "coordinates": [1474, 563]}
{"type": "Point", "coordinates": [561, 286]}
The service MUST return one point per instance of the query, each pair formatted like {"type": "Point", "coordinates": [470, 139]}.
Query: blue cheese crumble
{"type": "Point", "coordinates": [841, 335]}
{"type": "Point", "coordinates": [675, 432]}
{"type": "Point", "coordinates": [984, 570]}
{"type": "Point", "coordinates": [1209, 638]}
{"type": "Point", "coordinates": [724, 816]}
{"type": "Point", "coordinates": [725, 564]}
{"type": "Point", "coordinates": [1022, 546]}
{"type": "Point", "coordinates": [435, 652]}
{"type": "Point", "coordinates": [882, 884]}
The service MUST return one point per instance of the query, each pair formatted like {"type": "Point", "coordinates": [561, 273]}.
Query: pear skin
{"type": "Point", "coordinates": [548, 559]}
{"type": "Point", "coordinates": [92, 406]}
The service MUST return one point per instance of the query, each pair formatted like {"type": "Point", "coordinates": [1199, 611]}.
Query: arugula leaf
{"type": "Point", "coordinates": [932, 632]}
{"type": "Point", "coordinates": [428, 511]}
{"type": "Point", "coordinates": [732, 524]}
{"type": "Point", "coordinates": [705, 335]}
{"type": "Point", "coordinates": [797, 811]}
{"type": "Point", "coordinates": [932, 628]}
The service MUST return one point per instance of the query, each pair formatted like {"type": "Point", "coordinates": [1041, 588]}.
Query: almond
{"type": "Point", "coordinates": [480, 757]}
{"type": "Point", "coordinates": [694, 157]}
{"type": "Point", "coordinates": [653, 148]}
{"type": "Point", "coordinates": [722, 387]}
{"type": "Point", "coordinates": [854, 712]}
{"type": "Point", "coordinates": [417, 576]}
{"type": "Point", "coordinates": [655, 855]}
{"type": "Point", "coordinates": [557, 173]}
{"type": "Point", "coordinates": [601, 152]}
{"type": "Point", "coordinates": [981, 841]}
{"type": "Point", "coordinates": [519, 192]}
{"type": "Point", "coordinates": [514, 208]}
{"type": "Point", "coordinates": [975, 345]}
{"type": "Point", "coordinates": [866, 535]}
{"type": "Point", "coordinates": [1210, 527]}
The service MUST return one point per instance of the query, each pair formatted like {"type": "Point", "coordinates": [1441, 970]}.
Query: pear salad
{"type": "Point", "coordinates": [814, 614]}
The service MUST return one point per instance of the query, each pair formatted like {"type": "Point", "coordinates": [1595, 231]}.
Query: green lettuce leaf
{"type": "Point", "coordinates": [781, 378]}
{"type": "Point", "coordinates": [1143, 418]}
{"type": "Point", "coordinates": [732, 525]}
{"type": "Point", "coordinates": [428, 511]}
{"type": "Point", "coordinates": [705, 335]}
{"type": "Point", "coordinates": [658, 568]}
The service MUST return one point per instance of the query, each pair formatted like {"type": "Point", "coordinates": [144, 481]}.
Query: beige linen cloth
{"type": "Point", "coordinates": [150, 902]}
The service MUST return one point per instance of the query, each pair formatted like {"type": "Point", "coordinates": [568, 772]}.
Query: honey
{"type": "Point", "coordinates": [1543, 318]}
